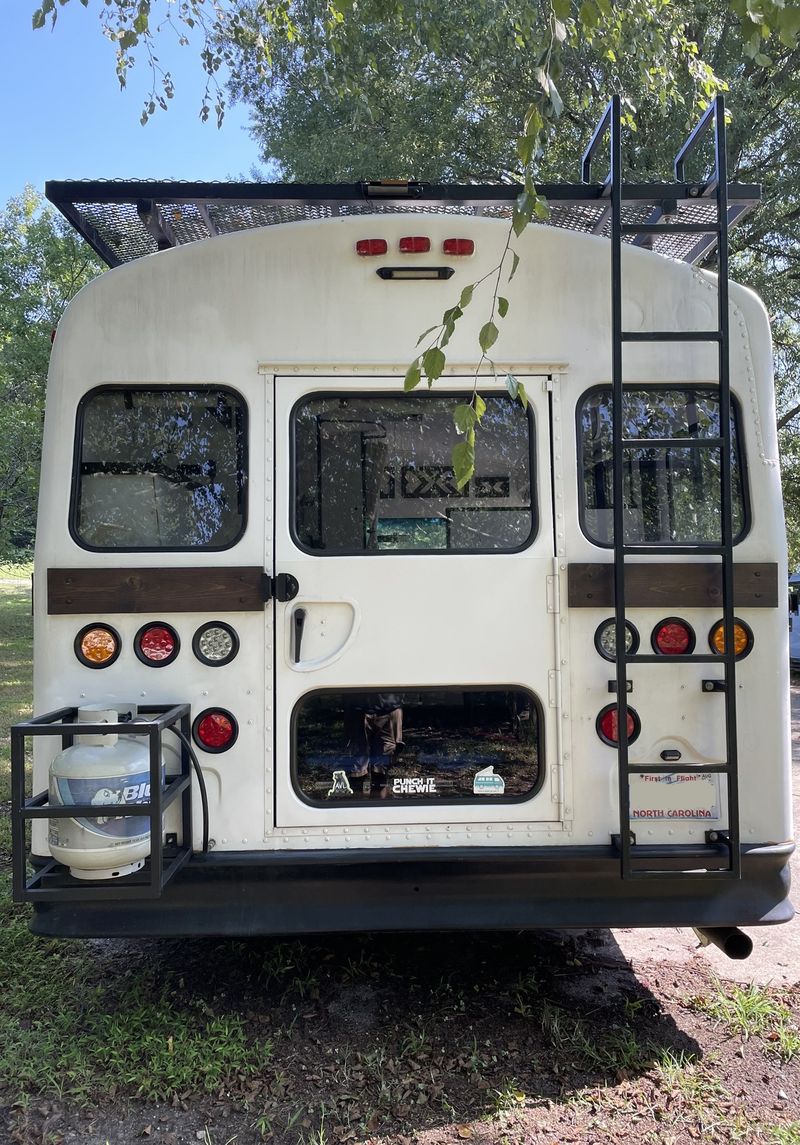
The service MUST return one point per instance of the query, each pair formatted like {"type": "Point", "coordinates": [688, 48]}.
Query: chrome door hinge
{"type": "Point", "coordinates": [553, 594]}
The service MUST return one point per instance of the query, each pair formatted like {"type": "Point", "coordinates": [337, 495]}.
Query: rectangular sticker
{"type": "Point", "coordinates": [676, 795]}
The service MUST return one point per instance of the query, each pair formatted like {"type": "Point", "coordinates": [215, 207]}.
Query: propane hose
{"type": "Point", "coordinates": [201, 783]}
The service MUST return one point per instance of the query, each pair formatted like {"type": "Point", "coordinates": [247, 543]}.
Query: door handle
{"type": "Point", "coordinates": [298, 620]}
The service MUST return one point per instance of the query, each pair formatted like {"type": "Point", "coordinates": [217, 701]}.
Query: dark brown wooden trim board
{"type": "Point", "coordinates": [102, 591]}
{"type": "Point", "coordinates": [672, 586]}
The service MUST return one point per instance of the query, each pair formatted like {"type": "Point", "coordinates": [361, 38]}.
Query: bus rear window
{"type": "Point", "coordinates": [671, 492]}
{"type": "Point", "coordinates": [159, 468]}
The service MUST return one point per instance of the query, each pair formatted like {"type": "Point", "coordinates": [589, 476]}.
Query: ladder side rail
{"type": "Point", "coordinates": [726, 485]}
{"type": "Point", "coordinates": [603, 126]}
{"type": "Point", "coordinates": [618, 480]}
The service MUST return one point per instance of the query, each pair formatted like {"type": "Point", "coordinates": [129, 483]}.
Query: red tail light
{"type": "Point", "coordinates": [156, 644]}
{"type": "Point", "coordinates": [673, 637]}
{"type": "Point", "coordinates": [367, 247]}
{"type": "Point", "coordinates": [414, 244]}
{"type": "Point", "coordinates": [608, 725]}
{"type": "Point", "coordinates": [458, 246]}
{"type": "Point", "coordinates": [215, 730]}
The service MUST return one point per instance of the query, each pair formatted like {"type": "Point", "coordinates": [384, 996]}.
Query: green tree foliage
{"type": "Point", "coordinates": [43, 264]}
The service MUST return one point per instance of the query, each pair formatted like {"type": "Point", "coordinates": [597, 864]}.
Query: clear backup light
{"type": "Point", "coordinates": [215, 730]}
{"type": "Point", "coordinates": [414, 244]}
{"type": "Point", "coordinates": [605, 639]}
{"type": "Point", "coordinates": [607, 725]}
{"type": "Point", "coordinates": [97, 645]}
{"type": "Point", "coordinates": [673, 637]}
{"type": "Point", "coordinates": [742, 638]}
{"type": "Point", "coordinates": [156, 644]}
{"type": "Point", "coordinates": [215, 643]}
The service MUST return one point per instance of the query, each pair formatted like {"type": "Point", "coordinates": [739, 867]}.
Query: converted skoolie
{"type": "Point", "coordinates": [291, 678]}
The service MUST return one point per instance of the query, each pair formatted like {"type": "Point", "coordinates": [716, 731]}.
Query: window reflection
{"type": "Point", "coordinates": [160, 469]}
{"type": "Point", "coordinates": [372, 473]}
{"type": "Point", "coordinates": [671, 494]}
{"type": "Point", "coordinates": [446, 744]}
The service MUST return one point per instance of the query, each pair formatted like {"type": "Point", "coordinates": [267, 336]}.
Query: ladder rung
{"type": "Point", "coordinates": [666, 228]}
{"type": "Point", "coordinates": [669, 768]}
{"type": "Point", "coordinates": [670, 336]}
{"type": "Point", "coordinates": [672, 442]}
{"type": "Point", "coordinates": [690, 658]}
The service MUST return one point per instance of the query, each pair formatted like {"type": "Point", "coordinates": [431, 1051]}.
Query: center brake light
{"type": "Point", "coordinates": [458, 246]}
{"type": "Point", "coordinates": [370, 247]}
{"type": "Point", "coordinates": [415, 244]}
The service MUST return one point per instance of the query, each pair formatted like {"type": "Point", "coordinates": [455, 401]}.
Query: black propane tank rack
{"type": "Point", "coordinates": [52, 880]}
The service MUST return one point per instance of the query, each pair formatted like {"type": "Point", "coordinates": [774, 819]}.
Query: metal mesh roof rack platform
{"type": "Point", "coordinates": [123, 220]}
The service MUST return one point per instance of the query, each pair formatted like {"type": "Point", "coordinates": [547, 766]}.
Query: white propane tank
{"type": "Point", "coordinates": [103, 770]}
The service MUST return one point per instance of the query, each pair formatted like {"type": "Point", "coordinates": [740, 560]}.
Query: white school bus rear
{"type": "Point", "coordinates": [400, 695]}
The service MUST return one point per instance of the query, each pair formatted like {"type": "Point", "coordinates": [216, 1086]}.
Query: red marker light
{"type": "Point", "coordinates": [458, 246]}
{"type": "Point", "coordinates": [215, 730]}
{"type": "Point", "coordinates": [673, 637]}
{"type": "Point", "coordinates": [608, 725]}
{"type": "Point", "coordinates": [368, 247]}
{"type": "Point", "coordinates": [156, 644]}
{"type": "Point", "coordinates": [414, 244]}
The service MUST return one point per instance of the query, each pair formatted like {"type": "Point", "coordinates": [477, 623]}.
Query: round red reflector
{"type": "Point", "coordinates": [414, 244]}
{"type": "Point", "coordinates": [371, 246]}
{"type": "Point", "coordinates": [156, 644]}
{"type": "Point", "coordinates": [215, 730]}
{"type": "Point", "coordinates": [673, 637]}
{"type": "Point", "coordinates": [608, 725]}
{"type": "Point", "coordinates": [458, 246]}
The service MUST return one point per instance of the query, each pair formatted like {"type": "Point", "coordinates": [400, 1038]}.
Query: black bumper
{"type": "Point", "coordinates": [312, 892]}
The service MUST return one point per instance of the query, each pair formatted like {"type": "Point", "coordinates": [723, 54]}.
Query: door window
{"type": "Point", "coordinates": [426, 745]}
{"type": "Point", "coordinates": [372, 474]}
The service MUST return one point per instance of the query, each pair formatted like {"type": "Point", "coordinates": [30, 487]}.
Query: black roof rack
{"type": "Point", "coordinates": [123, 220]}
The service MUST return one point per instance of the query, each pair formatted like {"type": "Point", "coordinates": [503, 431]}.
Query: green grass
{"type": "Point", "coordinates": [750, 1010]}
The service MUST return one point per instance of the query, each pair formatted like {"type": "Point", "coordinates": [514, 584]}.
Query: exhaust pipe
{"type": "Point", "coordinates": [731, 941]}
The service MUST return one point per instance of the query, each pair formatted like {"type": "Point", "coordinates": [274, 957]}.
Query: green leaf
{"type": "Point", "coordinates": [525, 146]}
{"type": "Point", "coordinates": [464, 417]}
{"type": "Point", "coordinates": [480, 406]}
{"type": "Point", "coordinates": [514, 264]}
{"type": "Point", "coordinates": [466, 296]}
{"type": "Point", "coordinates": [38, 18]}
{"type": "Point", "coordinates": [522, 394]}
{"type": "Point", "coordinates": [463, 458]}
{"type": "Point", "coordinates": [512, 385]}
{"type": "Point", "coordinates": [487, 336]}
{"type": "Point", "coordinates": [413, 376]}
{"type": "Point", "coordinates": [763, 61]}
{"type": "Point", "coordinates": [425, 333]}
{"type": "Point", "coordinates": [560, 31]}
{"type": "Point", "coordinates": [555, 99]}
{"type": "Point", "coordinates": [433, 363]}
{"type": "Point", "coordinates": [502, 306]}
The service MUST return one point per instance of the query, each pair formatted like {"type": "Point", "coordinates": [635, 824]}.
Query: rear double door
{"type": "Point", "coordinates": [412, 667]}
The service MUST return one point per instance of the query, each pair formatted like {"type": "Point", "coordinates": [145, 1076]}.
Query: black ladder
{"type": "Point", "coordinates": [723, 852]}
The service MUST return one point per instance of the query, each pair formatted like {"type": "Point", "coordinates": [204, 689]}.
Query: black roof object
{"type": "Point", "coordinates": [123, 220]}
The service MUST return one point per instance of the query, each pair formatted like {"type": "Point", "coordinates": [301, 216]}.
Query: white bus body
{"type": "Point", "coordinates": [477, 633]}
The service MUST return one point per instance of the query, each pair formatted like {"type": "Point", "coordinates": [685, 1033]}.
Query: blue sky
{"type": "Point", "coordinates": [64, 117]}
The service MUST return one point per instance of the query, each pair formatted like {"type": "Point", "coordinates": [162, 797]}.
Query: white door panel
{"type": "Point", "coordinates": [394, 623]}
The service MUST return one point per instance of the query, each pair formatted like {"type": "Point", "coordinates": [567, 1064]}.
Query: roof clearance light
{"type": "Point", "coordinates": [605, 639]}
{"type": "Point", "coordinates": [215, 643]}
{"type": "Point", "coordinates": [215, 730]}
{"type": "Point", "coordinates": [458, 246]}
{"type": "Point", "coordinates": [742, 638]}
{"type": "Point", "coordinates": [607, 725]}
{"type": "Point", "coordinates": [156, 644]}
{"type": "Point", "coordinates": [367, 247]}
{"type": "Point", "coordinates": [673, 637]}
{"type": "Point", "coordinates": [97, 646]}
{"type": "Point", "coordinates": [414, 244]}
